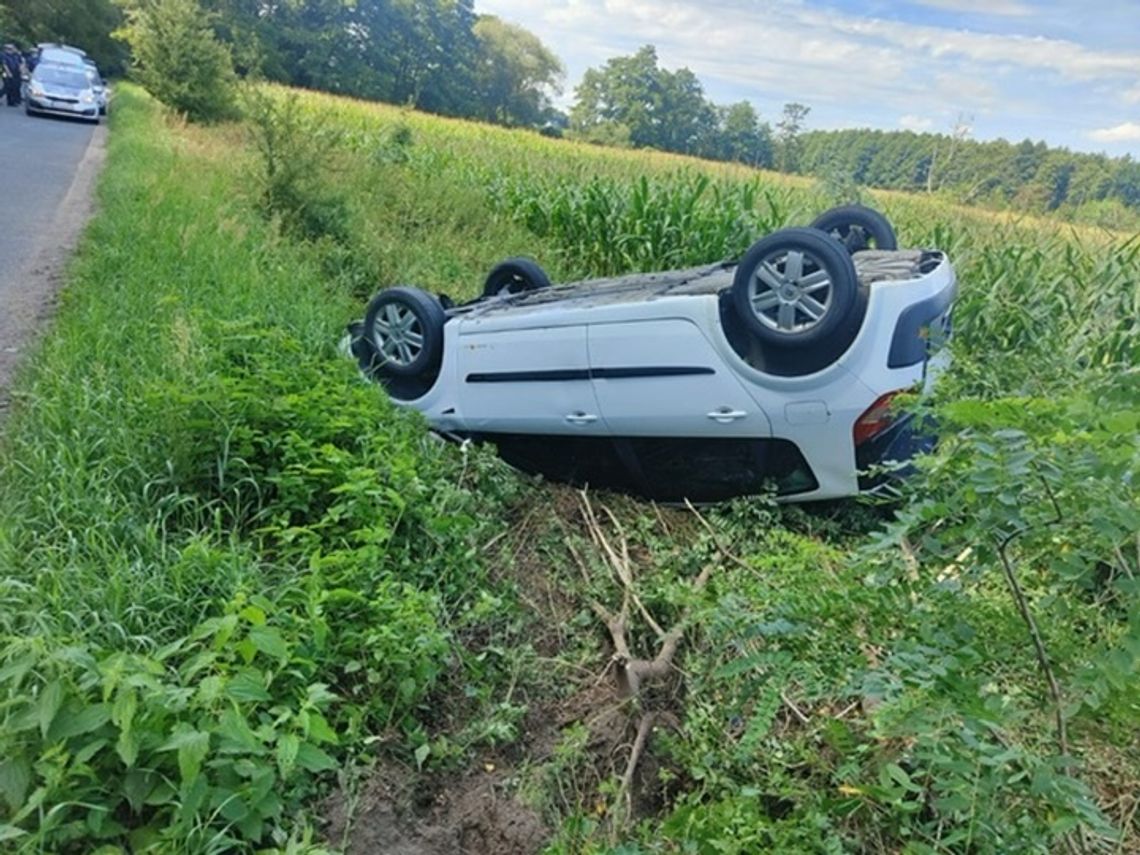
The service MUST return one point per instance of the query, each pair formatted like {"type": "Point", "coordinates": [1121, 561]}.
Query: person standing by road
{"type": "Point", "coordinates": [12, 66]}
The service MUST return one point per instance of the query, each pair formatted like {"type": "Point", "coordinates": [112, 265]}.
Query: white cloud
{"type": "Point", "coordinates": [1067, 58]}
{"type": "Point", "coordinates": [915, 123]}
{"type": "Point", "coordinates": [981, 7]}
{"type": "Point", "coordinates": [862, 69]}
{"type": "Point", "coordinates": [961, 91]}
{"type": "Point", "coordinates": [1124, 132]}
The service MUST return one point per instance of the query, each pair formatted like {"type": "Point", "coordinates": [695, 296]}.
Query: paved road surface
{"type": "Point", "coordinates": [47, 171]}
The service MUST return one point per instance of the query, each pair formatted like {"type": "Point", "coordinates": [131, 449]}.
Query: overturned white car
{"type": "Point", "coordinates": [774, 372]}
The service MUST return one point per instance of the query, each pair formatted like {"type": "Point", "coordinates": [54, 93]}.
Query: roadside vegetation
{"type": "Point", "coordinates": [248, 605]}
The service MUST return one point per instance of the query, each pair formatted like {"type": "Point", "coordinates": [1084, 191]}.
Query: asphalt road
{"type": "Point", "coordinates": [47, 172]}
{"type": "Point", "coordinates": [37, 165]}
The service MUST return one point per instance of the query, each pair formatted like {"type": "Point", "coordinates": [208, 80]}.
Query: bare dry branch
{"type": "Point", "coordinates": [795, 710]}
{"type": "Point", "coordinates": [630, 673]}
{"type": "Point", "coordinates": [623, 799]}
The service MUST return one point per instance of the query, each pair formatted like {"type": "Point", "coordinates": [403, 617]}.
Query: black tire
{"type": "Point", "coordinates": [857, 227]}
{"type": "Point", "coordinates": [404, 328]}
{"type": "Point", "coordinates": [795, 287]}
{"type": "Point", "coordinates": [515, 276]}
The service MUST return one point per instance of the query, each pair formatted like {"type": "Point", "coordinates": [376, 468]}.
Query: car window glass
{"type": "Point", "coordinates": [62, 57]}
{"type": "Point", "coordinates": [62, 77]}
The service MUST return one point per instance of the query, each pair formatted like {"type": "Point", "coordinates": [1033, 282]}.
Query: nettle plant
{"type": "Point", "coordinates": [200, 744]}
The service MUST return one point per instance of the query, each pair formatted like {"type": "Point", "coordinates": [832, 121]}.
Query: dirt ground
{"type": "Point", "coordinates": [477, 810]}
{"type": "Point", "coordinates": [28, 307]}
{"type": "Point", "coordinates": [483, 807]}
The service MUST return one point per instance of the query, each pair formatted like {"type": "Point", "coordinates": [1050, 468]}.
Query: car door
{"type": "Point", "coordinates": [527, 381]}
{"type": "Point", "coordinates": [662, 377]}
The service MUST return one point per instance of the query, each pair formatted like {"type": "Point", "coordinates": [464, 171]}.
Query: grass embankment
{"type": "Point", "coordinates": [235, 578]}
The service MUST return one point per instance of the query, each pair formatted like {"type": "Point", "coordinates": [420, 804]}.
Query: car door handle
{"type": "Point", "coordinates": [726, 415]}
{"type": "Point", "coordinates": [581, 418]}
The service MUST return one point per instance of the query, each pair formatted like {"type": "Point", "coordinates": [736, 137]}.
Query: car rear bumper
{"type": "Point", "coordinates": [885, 458]}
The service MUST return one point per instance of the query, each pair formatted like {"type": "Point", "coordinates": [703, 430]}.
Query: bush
{"type": "Point", "coordinates": [178, 59]}
{"type": "Point", "coordinates": [294, 151]}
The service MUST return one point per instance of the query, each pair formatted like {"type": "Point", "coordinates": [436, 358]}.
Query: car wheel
{"type": "Point", "coordinates": [795, 287]}
{"type": "Point", "coordinates": [857, 227]}
{"type": "Point", "coordinates": [515, 276]}
{"type": "Point", "coordinates": [404, 327]}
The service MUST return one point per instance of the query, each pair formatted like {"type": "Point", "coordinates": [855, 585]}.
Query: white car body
{"type": "Point", "coordinates": [650, 356]}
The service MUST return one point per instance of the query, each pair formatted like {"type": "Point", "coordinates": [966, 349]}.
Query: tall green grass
{"type": "Point", "coordinates": [224, 554]}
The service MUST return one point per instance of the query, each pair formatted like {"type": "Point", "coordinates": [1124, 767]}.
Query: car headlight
{"type": "Point", "coordinates": [87, 98]}
{"type": "Point", "coordinates": [36, 90]}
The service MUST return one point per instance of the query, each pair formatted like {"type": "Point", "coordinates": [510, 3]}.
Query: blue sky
{"type": "Point", "coordinates": [1063, 71]}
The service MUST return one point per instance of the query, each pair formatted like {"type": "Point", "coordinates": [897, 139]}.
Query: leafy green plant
{"type": "Point", "coordinates": [176, 56]}
{"type": "Point", "coordinates": [204, 742]}
{"type": "Point", "coordinates": [294, 155]}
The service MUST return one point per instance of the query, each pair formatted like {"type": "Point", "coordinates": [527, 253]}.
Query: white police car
{"type": "Point", "coordinates": [776, 371]}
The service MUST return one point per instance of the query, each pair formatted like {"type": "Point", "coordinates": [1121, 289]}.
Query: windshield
{"type": "Point", "coordinates": [63, 57]}
{"type": "Point", "coordinates": [62, 77]}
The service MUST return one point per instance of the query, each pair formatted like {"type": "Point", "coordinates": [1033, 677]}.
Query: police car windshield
{"type": "Point", "coordinates": [62, 77]}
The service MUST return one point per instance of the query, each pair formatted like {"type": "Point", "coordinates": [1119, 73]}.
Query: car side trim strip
{"type": "Point", "coordinates": [649, 371]}
{"type": "Point", "coordinates": [564, 374]}
{"type": "Point", "coordinates": [548, 376]}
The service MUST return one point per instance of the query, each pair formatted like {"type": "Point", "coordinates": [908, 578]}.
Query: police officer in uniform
{"type": "Point", "coordinates": [12, 67]}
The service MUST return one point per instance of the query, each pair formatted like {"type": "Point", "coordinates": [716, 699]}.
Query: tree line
{"type": "Point", "coordinates": [1027, 176]}
{"type": "Point", "coordinates": [442, 57]}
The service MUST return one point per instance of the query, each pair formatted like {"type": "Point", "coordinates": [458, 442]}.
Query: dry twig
{"type": "Point", "coordinates": [631, 672]}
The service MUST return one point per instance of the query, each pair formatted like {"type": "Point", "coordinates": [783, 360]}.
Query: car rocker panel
{"type": "Point", "coordinates": [650, 383]}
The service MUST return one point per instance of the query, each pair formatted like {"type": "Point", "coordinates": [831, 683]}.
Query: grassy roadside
{"type": "Point", "coordinates": [236, 580]}
{"type": "Point", "coordinates": [205, 509]}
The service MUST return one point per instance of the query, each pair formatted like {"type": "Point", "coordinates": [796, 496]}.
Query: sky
{"type": "Point", "coordinates": [1063, 71]}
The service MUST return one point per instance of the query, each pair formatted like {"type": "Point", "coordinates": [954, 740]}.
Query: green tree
{"type": "Point", "coordinates": [514, 74]}
{"type": "Point", "coordinates": [622, 93]}
{"type": "Point", "coordinates": [1126, 183]}
{"type": "Point", "coordinates": [661, 109]}
{"type": "Point", "coordinates": [176, 56]}
{"type": "Point", "coordinates": [1091, 180]}
{"type": "Point", "coordinates": [431, 48]}
{"type": "Point", "coordinates": [743, 137]}
{"type": "Point", "coordinates": [87, 24]}
{"type": "Point", "coordinates": [788, 136]}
